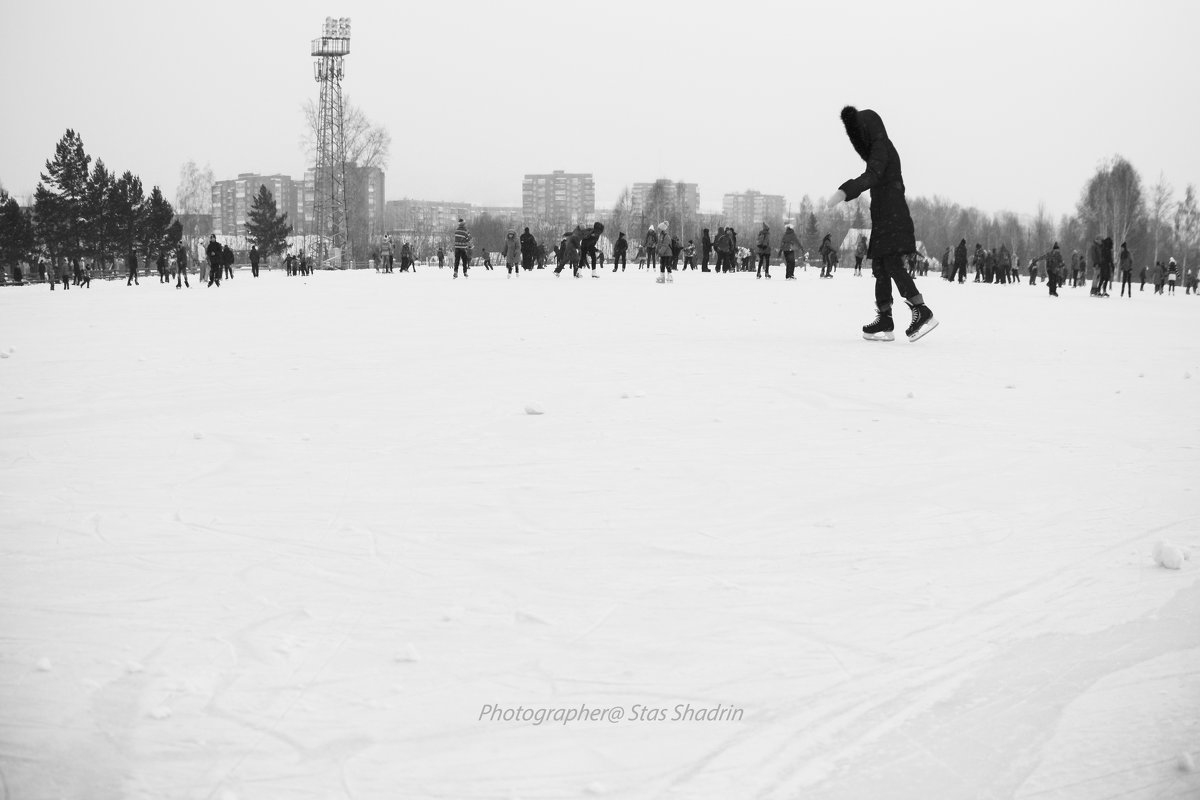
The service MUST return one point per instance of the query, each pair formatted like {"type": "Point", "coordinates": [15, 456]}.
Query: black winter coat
{"type": "Point", "coordinates": [960, 255]}
{"type": "Point", "coordinates": [891, 223]}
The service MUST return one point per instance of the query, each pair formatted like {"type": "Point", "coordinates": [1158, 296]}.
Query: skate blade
{"type": "Point", "coordinates": [882, 336]}
{"type": "Point", "coordinates": [926, 328]}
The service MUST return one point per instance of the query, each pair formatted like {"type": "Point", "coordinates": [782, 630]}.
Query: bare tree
{"type": "Point", "coordinates": [1112, 203]}
{"type": "Point", "coordinates": [193, 200]}
{"type": "Point", "coordinates": [622, 213]}
{"type": "Point", "coordinates": [367, 144]}
{"type": "Point", "coordinates": [1161, 201]}
{"type": "Point", "coordinates": [1187, 222]}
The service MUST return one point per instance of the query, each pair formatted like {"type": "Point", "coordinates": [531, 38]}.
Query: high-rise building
{"type": "Point", "coordinates": [559, 197]}
{"type": "Point", "coordinates": [370, 188]}
{"type": "Point", "coordinates": [233, 199]}
{"type": "Point", "coordinates": [748, 210]}
{"type": "Point", "coordinates": [411, 217]}
{"type": "Point", "coordinates": [364, 202]}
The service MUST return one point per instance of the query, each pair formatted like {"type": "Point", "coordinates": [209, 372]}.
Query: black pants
{"type": "Point", "coordinates": [214, 274]}
{"type": "Point", "coordinates": [527, 260]}
{"type": "Point", "coordinates": [666, 264]}
{"type": "Point", "coordinates": [619, 261]}
{"type": "Point", "coordinates": [1052, 279]}
{"type": "Point", "coordinates": [789, 262]}
{"type": "Point", "coordinates": [254, 268]}
{"type": "Point", "coordinates": [705, 255]}
{"type": "Point", "coordinates": [1126, 280]}
{"type": "Point", "coordinates": [764, 263]}
{"type": "Point", "coordinates": [886, 270]}
{"type": "Point", "coordinates": [858, 265]}
{"type": "Point", "coordinates": [460, 255]}
{"type": "Point", "coordinates": [133, 276]}
{"type": "Point", "coordinates": [960, 272]}
{"type": "Point", "coordinates": [181, 277]}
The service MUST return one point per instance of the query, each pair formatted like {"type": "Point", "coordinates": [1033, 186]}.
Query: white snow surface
{"type": "Point", "coordinates": [288, 538]}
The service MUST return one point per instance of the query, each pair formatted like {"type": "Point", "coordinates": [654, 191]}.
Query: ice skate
{"type": "Point", "coordinates": [922, 322]}
{"type": "Point", "coordinates": [881, 329]}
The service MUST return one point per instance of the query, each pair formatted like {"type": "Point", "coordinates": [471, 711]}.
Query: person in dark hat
{"type": "Point", "coordinates": [620, 251]}
{"type": "Point", "coordinates": [462, 248]}
{"type": "Point", "coordinates": [1126, 264]}
{"type": "Point", "coordinates": [528, 250]}
{"type": "Point", "coordinates": [892, 235]}
{"type": "Point", "coordinates": [1054, 268]}
{"type": "Point", "coordinates": [212, 254]}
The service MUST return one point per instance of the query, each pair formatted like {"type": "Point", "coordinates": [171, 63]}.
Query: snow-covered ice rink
{"type": "Point", "coordinates": [292, 538]}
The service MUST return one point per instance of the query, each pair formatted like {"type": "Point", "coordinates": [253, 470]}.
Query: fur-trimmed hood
{"type": "Point", "coordinates": [863, 128]}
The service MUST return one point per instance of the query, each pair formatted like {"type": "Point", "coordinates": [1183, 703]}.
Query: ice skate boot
{"type": "Point", "coordinates": [922, 322]}
{"type": "Point", "coordinates": [881, 329]}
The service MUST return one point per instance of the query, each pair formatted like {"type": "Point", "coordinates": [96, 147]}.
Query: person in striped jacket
{"type": "Point", "coordinates": [462, 248]}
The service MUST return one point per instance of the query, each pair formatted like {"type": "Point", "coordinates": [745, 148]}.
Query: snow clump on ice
{"type": "Point", "coordinates": [1169, 555]}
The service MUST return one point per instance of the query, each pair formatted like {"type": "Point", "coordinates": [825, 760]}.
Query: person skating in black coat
{"type": "Point", "coordinates": [213, 253]}
{"type": "Point", "coordinates": [528, 249]}
{"type": "Point", "coordinates": [960, 262]}
{"type": "Point", "coordinates": [620, 251]}
{"type": "Point", "coordinates": [892, 235]}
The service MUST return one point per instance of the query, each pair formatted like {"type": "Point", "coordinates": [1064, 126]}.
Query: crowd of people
{"type": "Point", "coordinates": [1098, 264]}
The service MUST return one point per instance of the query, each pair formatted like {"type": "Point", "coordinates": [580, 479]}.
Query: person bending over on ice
{"type": "Point", "coordinates": [892, 235]}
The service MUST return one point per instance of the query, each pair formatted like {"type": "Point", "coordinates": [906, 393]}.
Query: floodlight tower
{"type": "Point", "coordinates": [329, 178]}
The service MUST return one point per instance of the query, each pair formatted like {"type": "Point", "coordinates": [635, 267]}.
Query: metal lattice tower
{"type": "Point", "coordinates": [329, 178]}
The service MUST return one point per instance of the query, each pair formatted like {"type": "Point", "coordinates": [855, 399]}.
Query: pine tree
{"type": "Point", "coordinates": [812, 234]}
{"type": "Point", "coordinates": [60, 197]}
{"type": "Point", "coordinates": [16, 233]}
{"type": "Point", "coordinates": [156, 223]}
{"type": "Point", "coordinates": [265, 227]}
{"type": "Point", "coordinates": [101, 230]}
{"type": "Point", "coordinates": [127, 208]}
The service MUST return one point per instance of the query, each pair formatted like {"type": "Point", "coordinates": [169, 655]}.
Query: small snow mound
{"type": "Point", "coordinates": [197, 435]}
{"type": "Point", "coordinates": [911, 395]}
{"type": "Point", "coordinates": [1169, 556]}
{"type": "Point", "coordinates": [534, 409]}
{"type": "Point", "coordinates": [162, 712]}
{"type": "Point", "coordinates": [3, 355]}
{"type": "Point", "coordinates": [305, 438]}
{"type": "Point", "coordinates": [1010, 386]}
{"type": "Point", "coordinates": [596, 788]}
{"type": "Point", "coordinates": [624, 395]}
{"type": "Point", "coordinates": [133, 667]}
{"type": "Point", "coordinates": [408, 655]}
{"type": "Point", "coordinates": [1186, 764]}
{"type": "Point", "coordinates": [44, 665]}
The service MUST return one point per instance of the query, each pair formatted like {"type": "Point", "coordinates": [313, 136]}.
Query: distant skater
{"type": "Point", "coordinates": [892, 235]}
{"type": "Point", "coordinates": [181, 261]}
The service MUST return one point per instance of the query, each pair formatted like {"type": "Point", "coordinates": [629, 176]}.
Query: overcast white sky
{"type": "Point", "coordinates": [1000, 105]}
